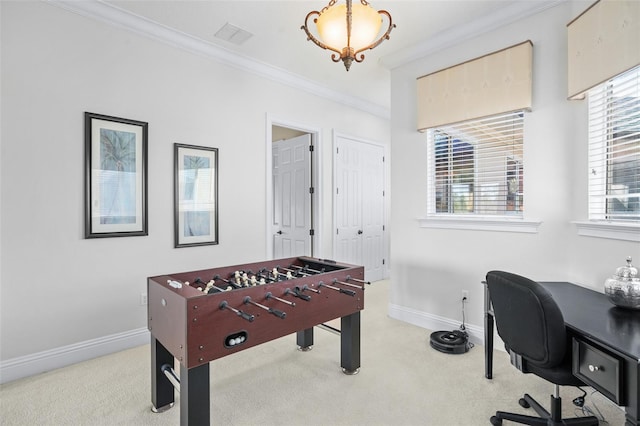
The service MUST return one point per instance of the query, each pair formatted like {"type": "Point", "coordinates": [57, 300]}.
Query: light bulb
{"type": "Point", "coordinates": [365, 26]}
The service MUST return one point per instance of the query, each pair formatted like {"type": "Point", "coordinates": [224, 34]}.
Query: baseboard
{"type": "Point", "coordinates": [434, 322]}
{"type": "Point", "coordinates": [29, 365]}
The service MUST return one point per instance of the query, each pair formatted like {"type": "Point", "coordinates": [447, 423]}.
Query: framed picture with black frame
{"type": "Point", "coordinates": [195, 195]}
{"type": "Point", "coordinates": [115, 176]}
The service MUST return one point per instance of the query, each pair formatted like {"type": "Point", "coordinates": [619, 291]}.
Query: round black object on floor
{"type": "Point", "coordinates": [450, 342]}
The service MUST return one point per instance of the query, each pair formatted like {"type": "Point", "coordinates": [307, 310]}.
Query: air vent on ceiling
{"type": "Point", "coordinates": [233, 34]}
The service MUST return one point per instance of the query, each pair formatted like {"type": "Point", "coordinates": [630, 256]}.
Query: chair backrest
{"type": "Point", "coordinates": [527, 318]}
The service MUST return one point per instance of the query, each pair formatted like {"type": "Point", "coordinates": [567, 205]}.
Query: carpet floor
{"type": "Point", "coordinates": [403, 381]}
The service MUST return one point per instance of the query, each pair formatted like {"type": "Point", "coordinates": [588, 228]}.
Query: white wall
{"type": "Point", "coordinates": [430, 267]}
{"type": "Point", "coordinates": [58, 288]}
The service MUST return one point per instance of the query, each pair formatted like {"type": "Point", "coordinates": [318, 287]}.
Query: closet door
{"type": "Point", "coordinates": [359, 203]}
{"type": "Point", "coordinates": [292, 200]}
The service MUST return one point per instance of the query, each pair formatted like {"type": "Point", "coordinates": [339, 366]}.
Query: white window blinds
{"type": "Point", "coordinates": [476, 167]}
{"type": "Point", "coordinates": [614, 148]}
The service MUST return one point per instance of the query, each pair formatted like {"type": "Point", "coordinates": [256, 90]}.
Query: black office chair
{"type": "Point", "coordinates": [532, 327]}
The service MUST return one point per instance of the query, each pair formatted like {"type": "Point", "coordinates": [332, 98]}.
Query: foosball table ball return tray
{"type": "Point", "coordinates": [198, 316]}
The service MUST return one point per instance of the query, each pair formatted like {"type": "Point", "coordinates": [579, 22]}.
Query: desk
{"type": "Point", "coordinates": [596, 325]}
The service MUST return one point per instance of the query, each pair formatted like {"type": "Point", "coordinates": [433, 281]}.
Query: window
{"type": "Point", "coordinates": [476, 167]}
{"type": "Point", "coordinates": [614, 149]}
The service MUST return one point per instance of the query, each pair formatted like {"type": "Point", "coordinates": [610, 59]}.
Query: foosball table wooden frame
{"type": "Point", "coordinates": [198, 316]}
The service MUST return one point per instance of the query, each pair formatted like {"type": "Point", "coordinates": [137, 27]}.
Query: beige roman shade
{"type": "Point", "coordinates": [492, 84]}
{"type": "Point", "coordinates": [603, 42]}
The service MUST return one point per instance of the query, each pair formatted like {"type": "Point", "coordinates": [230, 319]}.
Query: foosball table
{"type": "Point", "coordinates": [198, 316]}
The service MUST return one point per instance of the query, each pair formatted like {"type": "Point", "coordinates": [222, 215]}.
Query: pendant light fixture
{"type": "Point", "coordinates": [348, 29]}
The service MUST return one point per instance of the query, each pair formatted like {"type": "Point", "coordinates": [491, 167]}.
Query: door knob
{"type": "Point", "coordinates": [359, 231]}
{"type": "Point", "coordinates": [279, 232]}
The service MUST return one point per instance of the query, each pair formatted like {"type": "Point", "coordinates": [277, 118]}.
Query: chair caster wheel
{"type": "Point", "coordinates": [523, 403]}
{"type": "Point", "coordinates": [495, 421]}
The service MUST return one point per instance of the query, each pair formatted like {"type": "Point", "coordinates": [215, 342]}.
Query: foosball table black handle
{"type": "Point", "coordinates": [303, 296]}
{"type": "Point", "coordinates": [298, 293]}
{"type": "Point", "coordinates": [341, 290]}
{"type": "Point", "coordinates": [244, 315]}
{"type": "Point", "coordinates": [349, 292]}
{"type": "Point", "coordinates": [279, 314]}
{"type": "Point", "coordinates": [275, 312]}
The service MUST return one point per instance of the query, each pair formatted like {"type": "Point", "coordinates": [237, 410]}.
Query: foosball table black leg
{"type": "Point", "coordinates": [304, 339]}
{"type": "Point", "coordinates": [162, 391]}
{"type": "Point", "coordinates": [350, 343]}
{"type": "Point", "coordinates": [194, 396]}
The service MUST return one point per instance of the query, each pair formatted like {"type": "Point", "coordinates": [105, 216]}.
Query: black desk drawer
{"type": "Point", "coordinates": [599, 369]}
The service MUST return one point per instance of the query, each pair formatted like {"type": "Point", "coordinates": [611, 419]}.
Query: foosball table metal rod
{"type": "Point", "coordinates": [296, 272]}
{"type": "Point", "coordinates": [335, 280]}
{"type": "Point", "coordinates": [296, 292]}
{"type": "Point", "coordinates": [264, 274]}
{"type": "Point", "coordinates": [341, 290]}
{"type": "Point", "coordinates": [278, 274]}
{"type": "Point", "coordinates": [208, 287]}
{"type": "Point", "coordinates": [306, 268]}
{"type": "Point", "coordinates": [225, 305]}
{"type": "Point", "coordinates": [276, 312]}
{"type": "Point", "coordinates": [329, 328]}
{"type": "Point", "coordinates": [170, 373]}
{"type": "Point", "coordinates": [270, 295]}
{"type": "Point", "coordinates": [306, 287]}
{"type": "Point", "coordinates": [349, 278]}
{"type": "Point", "coordinates": [227, 282]}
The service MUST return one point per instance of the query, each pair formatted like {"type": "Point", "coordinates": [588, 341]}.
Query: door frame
{"type": "Point", "coordinates": [385, 203]}
{"type": "Point", "coordinates": [316, 181]}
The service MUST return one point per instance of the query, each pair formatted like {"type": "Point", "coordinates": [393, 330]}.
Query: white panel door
{"type": "Point", "coordinates": [348, 202]}
{"type": "Point", "coordinates": [359, 198]}
{"type": "Point", "coordinates": [373, 210]}
{"type": "Point", "coordinates": [292, 200]}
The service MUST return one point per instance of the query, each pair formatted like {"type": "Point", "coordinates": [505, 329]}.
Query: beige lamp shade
{"type": "Point", "coordinates": [365, 26]}
{"type": "Point", "coordinates": [492, 84]}
{"type": "Point", "coordinates": [602, 42]}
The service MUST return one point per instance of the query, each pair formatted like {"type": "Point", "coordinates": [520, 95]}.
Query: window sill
{"type": "Point", "coordinates": [481, 224]}
{"type": "Point", "coordinates": [611, 230]}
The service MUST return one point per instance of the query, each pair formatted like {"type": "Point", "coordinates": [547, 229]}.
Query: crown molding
{"type": "Point", "coordinates": [115, 16]}
{"type": "Point", "coordinates": [455, 35]}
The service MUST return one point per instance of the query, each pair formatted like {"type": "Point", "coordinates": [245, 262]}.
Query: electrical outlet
{"type": "Point", "coordinates": [143, 299]}
{"type": "Point", "coordinates": [465, 295]}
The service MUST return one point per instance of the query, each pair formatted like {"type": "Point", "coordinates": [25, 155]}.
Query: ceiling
{"type": "Point", "coordinates": [422, 27]}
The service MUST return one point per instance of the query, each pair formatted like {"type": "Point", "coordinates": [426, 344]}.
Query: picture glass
{"type": "Point", "coordinates": [196, 195]}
